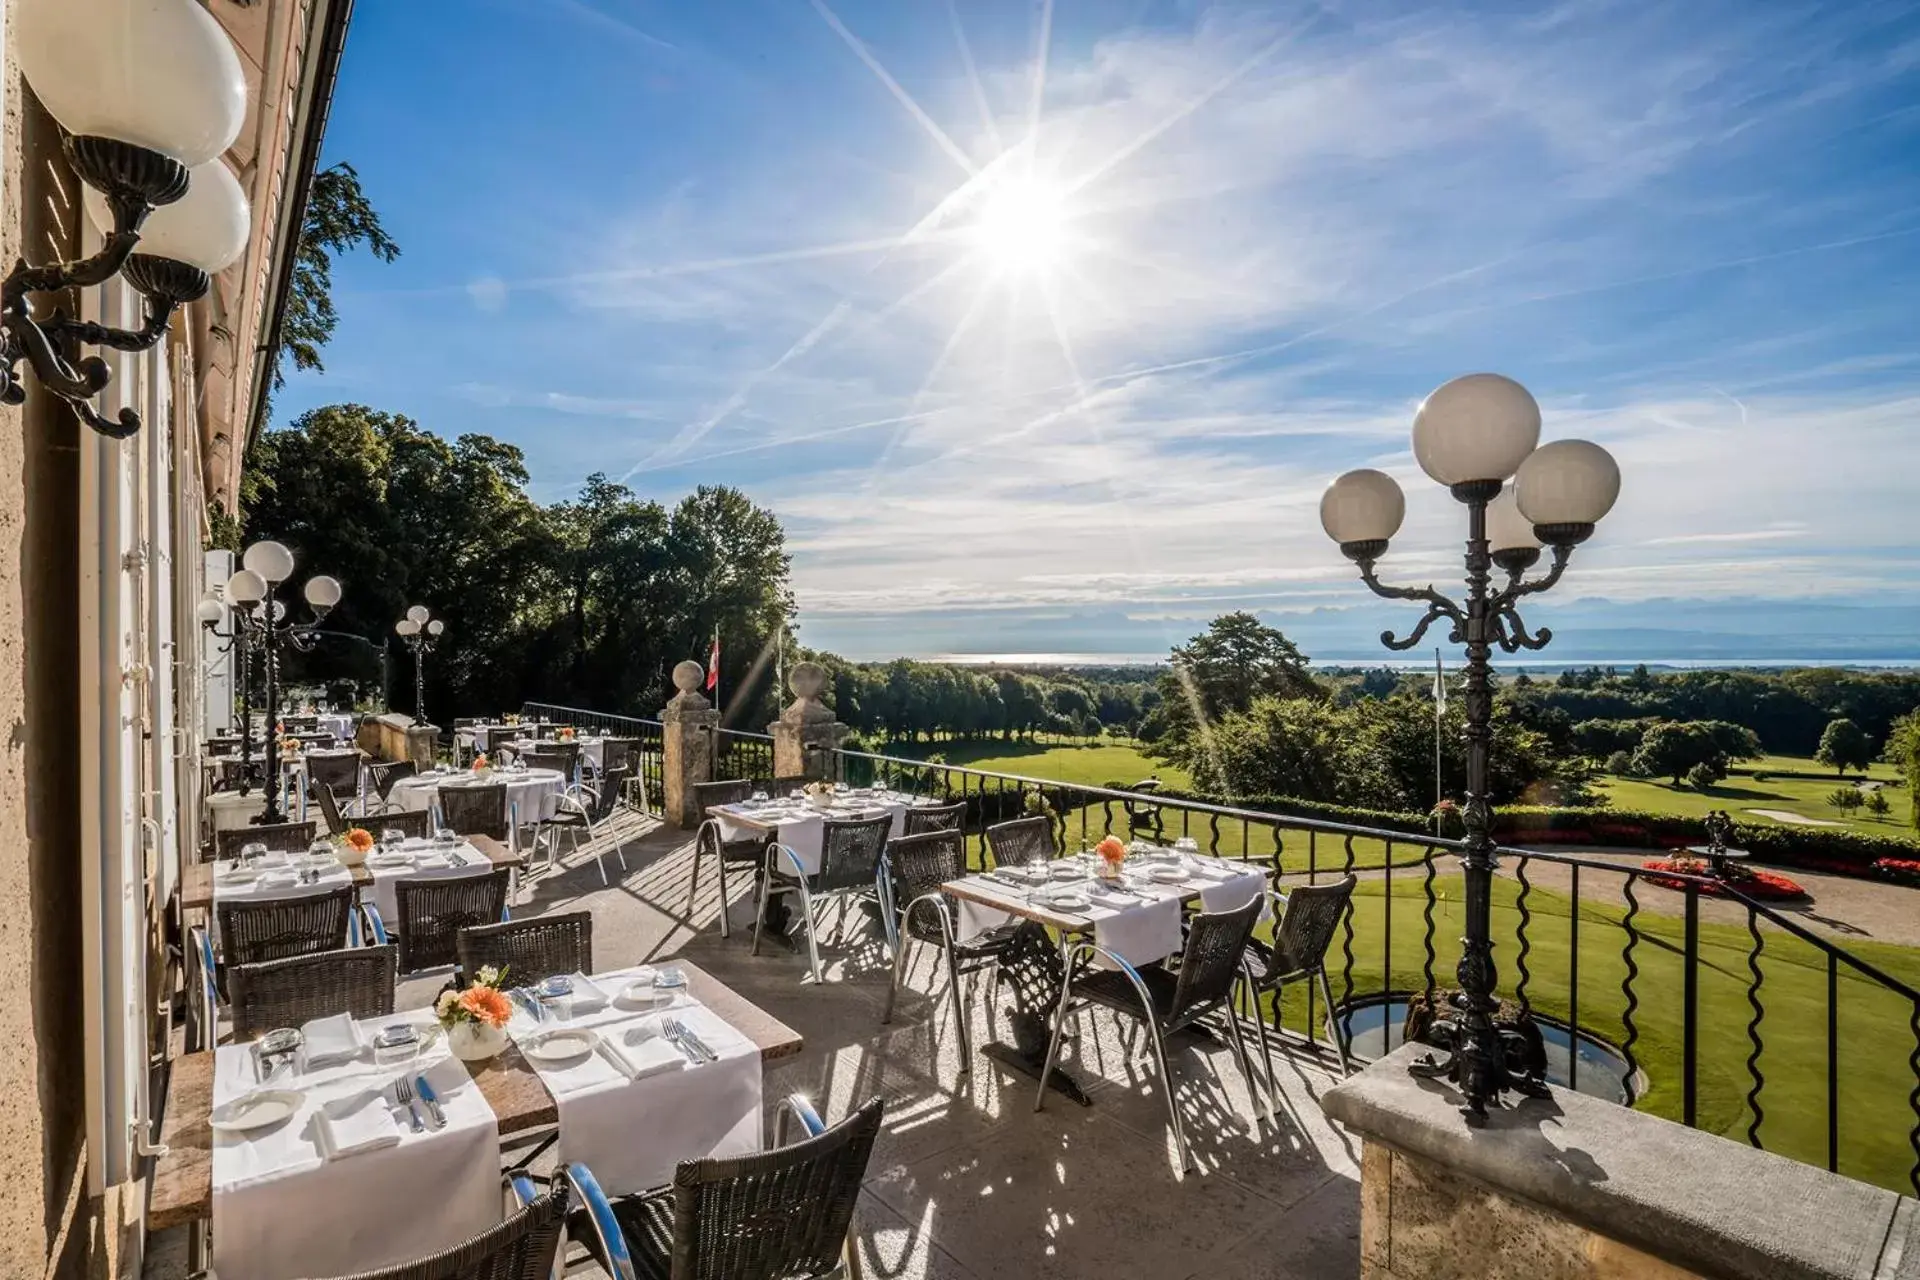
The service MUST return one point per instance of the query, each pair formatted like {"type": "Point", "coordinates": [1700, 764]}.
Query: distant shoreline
{"type": "Point", "coordinates": [1423, 663]}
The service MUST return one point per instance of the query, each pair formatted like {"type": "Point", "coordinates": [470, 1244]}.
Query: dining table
{"type": "Point", "coordinates": [533, 795]}
{"type": "Point", "coordinates": [1135, 915]}
{"type": "Point", "coordinates": [358, 1176]}
{"type": "Point", "coordinates": [592, 749]}
{"type": "Point", "coordinates": [800, 825]}
{"type": "Point", "coordinates": [198, 879]}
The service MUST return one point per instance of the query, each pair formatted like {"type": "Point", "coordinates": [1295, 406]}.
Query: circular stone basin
{"type": "Point", "coordinates": [1373, 1031]}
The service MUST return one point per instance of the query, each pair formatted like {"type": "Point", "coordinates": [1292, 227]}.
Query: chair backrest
{"type": "Point", "coordinates": [615, 752]}
{"type": "Point", "coordinates": [329, 809]}
{"type": "Point", "coordinates": [382, 774]}
{"type": "Point", "coordinates": [549, 756]}
{"type": "Point", "coordinates": [1216, 947]}
{"type": "Point", "coordinates": [1307, 925]}
{"type": "Point", "coordinates": [607, 789]}
{"type": "Point", "coordinates": [936, 817]}
{"type": "Point", "coordinates": [434, 909]}
{"type": "Point", "coordinates": [286, 993]}
{"type": "Point", "coordinates": [529, 950]}
{"type": "Point", "coordinates": [252, 930]}
{"type": "Point", "coordinates": [1021, 841]}
{"type": "Point", "coordinates": [414, 822]}
{"type": "Point", "coordinates": [524, 1247]}
{"type": "Point", "coordinates": [920, 864]}
{"type": "Point", "coordinates": [476, 809]}
{"type": "Point", "coordinates": [286, 837]}
{"type": "Point", "coordinates": [781, 1213]}
{"type": "Point", "coordinates": [338, 772]}
{"type": "Point", "coordinates": [850, 852]}
{"type": "Point", "coordinates": [731, 791]}
{"type": "Point", "coordinates": [500, 735]}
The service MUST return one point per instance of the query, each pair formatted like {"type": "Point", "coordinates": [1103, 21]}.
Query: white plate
{"type": "Point", "coordinates": [239, 875]}
{"type": "Point", "coordinates": [1066, 869]}
{"type": "Point", "coordinates": [388, 861]}
{"type": "Point", "coordinates": [562, 1045]}
{"type": "Point", "coordinates": [256, 1110]}
{"type": "Point", "coordinates": [1165, 872]}
{"type": "Point", "coordinates": [1072, 900]}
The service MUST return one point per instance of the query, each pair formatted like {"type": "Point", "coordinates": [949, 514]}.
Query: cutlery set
{"type": "Point", "coordinates": [404, 1095]}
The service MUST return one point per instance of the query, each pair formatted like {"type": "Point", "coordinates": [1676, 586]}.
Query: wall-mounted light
{"type": "Point", "coordinates": [150, 94]}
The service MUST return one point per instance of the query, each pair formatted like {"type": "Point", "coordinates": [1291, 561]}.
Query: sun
{"type": "Point", "coordinates": [1024, 226]}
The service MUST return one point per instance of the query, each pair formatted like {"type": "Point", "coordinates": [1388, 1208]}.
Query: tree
{"type": "Point", "coordinates": [1620, 764]}
{"type": "Point", "coordinates": [1903, 752]}
{"type": "Point", "coordinates": [1844, 745]}
{"type": "Point", "coordinates": [1876, 803]}
{"type": "Point", "coordinates": [1845, 799]}
{"type": "Point", "coordinates": [1670, 748]}
{"type": "Point", "coordinates": [339, 218]}
{"type": "Point", "coordinates": [1703, 775]}
{"type": "Point", "coordinates": [1598, 739]}
{"type": "Point", "coordinates": [1221, 672]}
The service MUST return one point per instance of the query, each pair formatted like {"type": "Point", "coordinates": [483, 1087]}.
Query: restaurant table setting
{"type": "Point", "coordinates": [800, 824]}
{"type": "Point", "coordinates": [1136, 916]}
{"type": "Point", "coordinates": [345, 1145]}
{"type": "Point", "coordinates": [419, 858]}
{"type": "Point", "coordinates": [271, 873]}
{"type": "Point", "coordinates": [643, 1075]}
{"type": "Point", "coordinates": [533, 793]}
{"type": "Point", "coordinates": [592, 750]}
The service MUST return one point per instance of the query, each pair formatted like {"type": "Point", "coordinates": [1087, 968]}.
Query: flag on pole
{"type": "Point", "coordinates": [1439, 685]}
{"type": "Point", "coordinates": [713, 663]}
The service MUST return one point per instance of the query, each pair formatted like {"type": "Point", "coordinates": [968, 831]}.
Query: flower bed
{"type": "Point", "coordinates": [1900, 870]}
{"type": "Point", "coordinates": [1765, 886]}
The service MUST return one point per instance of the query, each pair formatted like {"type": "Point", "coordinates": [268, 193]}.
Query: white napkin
{"type": "Point", "coordinates": [331, 1040]}
{"type": "Point", "coordinates": [638, 1054]}
{"type": "Point", "coordinates": [587, 996]}
{"type": "Point", "coordinates": [358, 1122]}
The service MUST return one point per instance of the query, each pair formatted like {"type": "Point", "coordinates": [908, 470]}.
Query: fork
{"type": "Point", "coordinates": [676, 1031]}
{"type": "Point", "coordinates": [403, 1094]}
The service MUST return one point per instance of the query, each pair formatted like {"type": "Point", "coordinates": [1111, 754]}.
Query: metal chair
{"type": "Point", "coordinates": [921, 819]}
{"type": "Point", "coordinates": [784, 1214]}
{"type": "Point", "coordinates": [337, 822]}
{"type": "Point", "coordinates": [524, 1247]}
{"type": "Point", "coordinates": [1023, 840]}
{"type": "Point", "coordinates": [583, 808]}
{"type": "Point", "coordinates": [286, 993]}
{"type": "Point", "coordinates": [1309, 917]}
{"type": "Point", "coordinates": [1164, 1000]}
{"type": "Point", "coordinates": [919, 865]}
{"type": "Point", "coordinates": [252, 930]}
{"type": "Point", "coordinates": [433, 911]}
{"type": "Point", "coordinates": [528, 950]}
{"type": "Point", "coordinates": [281, 837]}
{"type": "Point", "coordinates": [381, 777]}
{"type": "Point", "coordinates": [852, 863]}
{"type": "Point", "coordinates": [1144, 815]}
{"type": "Point", "coordinates": [477, 810]}
{"type": "Point", "coordinates": [709, 841]}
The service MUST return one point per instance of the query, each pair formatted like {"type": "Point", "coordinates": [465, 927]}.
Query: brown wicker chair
{"type": "Point", "coordinates": [339, 773]}
{"type": "Point", "coordinates": [433, 911]}
{"type": "Point", "coordinates": [1310, 916]}
{"type": "Point", "coordinates": [708, 842]}
{"type": "Point", "coordinates": [476, 810]}
{"type": "Point", "coordinates": [615, 752]}
{"type": "Point", "coordinates": [562, 757]}
{"type": "Point", "coordinates": [417, 823]}
{"type": "Point", "coordinates": [381, 776]}
{"type": "Point", "coordinates": [784, 1214]}
{"type": "Point", "coordinates": [283, 837]}
{"type": "Point", "coordinates": [1016, 843]}
{"type": "Point", "coordinates": [921, 819]}
{"type": "Point", "coordinates": [529, 950]}
{"type": "Point", "coordinates": [276, 928]}
{"type": "Point", "coordinates": [524, 1247]}
{"type": "Point", "coordinates": [329, 806]}
{"type": "Point", "coordinates": [1164, 1000]}
{"type": "Point", "coordinates": [918, 866]}
{"type": "Point", "coordinates": [852, 860]}
{"type": "Point", "coordinates": [286, 993]}
{"type": "Point", "coordinates": [498, 736]}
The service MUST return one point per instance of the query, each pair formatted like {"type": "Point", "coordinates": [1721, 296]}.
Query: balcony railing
{"type": "Point", "coordinates": [648, 754]}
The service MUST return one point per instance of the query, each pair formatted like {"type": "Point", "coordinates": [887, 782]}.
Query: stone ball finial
{"type": "Point", "coordinates": [807, 680]}
{"type": "Point", "coordinates": [688, 676]}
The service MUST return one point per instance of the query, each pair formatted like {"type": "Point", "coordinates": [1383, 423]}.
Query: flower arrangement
{"type": "Point", "coordinates": [1447, 819]}
{"type": "Point", "coordinates": [565, 733]}
{"type": "Point", "coordinates": [1766, 886]}
{"type": "Point", "coordinates": [289, 748]}
{"type": "Point", "coordinates": [359, 839]}
{"type": "Point", "coordinates": [1112, 853]}
{"type": "Point", "coordinates": [481, 764]}
{"type": "Point", "coordinates": [820, 794]}
{"type": "Point", "coordinates": [476, 1018]}
{"type": "Point", "coordinates": [512, 719]}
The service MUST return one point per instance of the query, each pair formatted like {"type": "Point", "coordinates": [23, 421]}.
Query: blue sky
{"type": "Point", "coordinates": [1043, 326]}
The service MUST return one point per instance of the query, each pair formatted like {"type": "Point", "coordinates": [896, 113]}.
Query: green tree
{"type": "Point", "coordinates": [1903, 753]}
{"type": "Point", "coordinates": [1669, 748]}
{"type": "Point", "coordinates": [1844, 745]}
{"type": "Point", "coordinates": [1703, 775]}
{"type": "Point", "coordinates": [1219, 673]}
{"type": "Point", "coordinates": [339, 218]}
{"type": "Point", "coordinates": [1876, 803]}
{"type": "Point", "coordinates": [1845, 799]}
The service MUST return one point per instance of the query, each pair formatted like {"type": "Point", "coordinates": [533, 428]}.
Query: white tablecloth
{"type": "Point", "coordinates": [632, 1133]}
{"type": "Point", "coordinates": [535, 794]}
{"type": "Point", "coordinates": [428, 863]}
{"type": "Point", "coordinates": [592, 750]}
{"type": "Point", "coordinates": [282, 1208]}
{"type": "Point", "coordinates": [281, 881]}
{"type": "Point", "coordinates": [230, 810]}
{"type": "Point", "coordinates": [340, 726]}
{"type": "Point", "coordinates": [802, 827]}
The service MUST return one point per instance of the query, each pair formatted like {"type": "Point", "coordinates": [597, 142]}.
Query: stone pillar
{"type": "Point", "coordinates": [806, 734]}
{"type": "Point", "coordinates": [687, 730]}
{"type": "Point", "coordinates": [422, 741]}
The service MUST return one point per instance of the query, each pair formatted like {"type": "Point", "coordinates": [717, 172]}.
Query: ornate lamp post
{"type": "Point", "coordinates": [212, 613]}
{"type": "Point", "coordinates": [265, 565]}
{"type": "Point", "coordinates": [1473, 435]}
{"type": "Point", "coordinates": [420, 629]}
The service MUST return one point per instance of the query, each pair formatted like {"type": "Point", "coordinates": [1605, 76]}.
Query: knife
{"type": "Point", "coordinates": [432, 1099]}
{"type": "Point", "coordinates": [699, 1046]}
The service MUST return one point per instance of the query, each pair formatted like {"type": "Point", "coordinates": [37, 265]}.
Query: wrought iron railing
{"type": "Point", "coordinates": [740, 754]}
{"type": "Point", "coordinates": [1732, 1017]}
{"type": "Point", "coordinates": [649, 763]}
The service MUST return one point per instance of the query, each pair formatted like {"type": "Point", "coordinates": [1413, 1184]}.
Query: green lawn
{"type": "Point", "coordinates": [1793, 784]}
{"type": "Point", "coordinates": [1093, 765]}
{"type": "Point", "coordinates": [1875, 1038]}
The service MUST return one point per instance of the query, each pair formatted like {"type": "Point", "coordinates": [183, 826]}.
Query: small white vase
{"type": "Point", "coordinates": [475, 1041]}
{"type": "Point", "coordinates": [820, 801]}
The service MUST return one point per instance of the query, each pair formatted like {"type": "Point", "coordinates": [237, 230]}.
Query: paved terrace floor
{"type": "Point", "coordinates": [966, 1179]}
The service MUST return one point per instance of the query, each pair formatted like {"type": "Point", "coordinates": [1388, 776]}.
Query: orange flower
{"type": "Point", "coordinates": [1111, 849]}
{"type": "Point", "coordinates": [487, 1005]}
{"type": "Point", "coordinates": [360, 839]}
{"type": "Point", "coordinates": [480, 761]}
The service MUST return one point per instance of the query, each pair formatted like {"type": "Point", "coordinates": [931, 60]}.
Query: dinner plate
{"type": "Point", "coordinates": [1066, 870]}
{"type": "Point", "coordinates": [1165, 872]}
{"type": "Point", "coordinates": [390, 860]}
{"type": "Point", "coordinates": [256, 1110]}
{"type": "Point", "coordinates": [239, 875]}
{"type": "Point", "coordinates": [562, 1044]}
{"type": "Point", "coordinates": [1067, 900]}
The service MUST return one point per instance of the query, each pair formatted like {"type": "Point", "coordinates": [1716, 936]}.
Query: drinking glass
{"type": "Point", "coordinates": [252, 851]}
{"type": "Point", "coordinates": [446, 835]}
{"type": "Point", "coordinates": [556, 996]}
{"type": "Point", "coordinates": [798, 795]}
{"type": "Point", "coordinates": [758, 797]}
{"type": "Point", "coordinates": [839, 788]}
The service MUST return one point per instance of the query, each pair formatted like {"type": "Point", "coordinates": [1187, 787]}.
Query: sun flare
{"type": "Point", "coordinates": [1024, 226]}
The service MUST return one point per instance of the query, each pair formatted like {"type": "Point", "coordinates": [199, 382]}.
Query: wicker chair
{"type": "Point", "coordinates": [1021, 841]}
{"type": "Point", "coordinates": [921, 819]}
{"type": "Point", "coordinates": [1164, 1000]}
{"type": "Point", "coordinates": [852, 863]}
{"type": "Point", "coordinates": [524, 1247]}
{"type": "Point", "coordinates": [416, 823]}
{"type": "Point", "coordinates": [286, 993]}
{"type": "Point", "coordinates": [498, 736]}
{"type": "Point", "coordinates": [1309, 917]}
{"type": "Point", "coordinates": [476, 810]}
{"type": "Point", "coordinates": [276, 928]}
{"type": "Point", "coordinates": [338, 773]}
{"type": "Point", "coordinates": [283, 837]}
{"type": "Point", "coordinates": [583, 808]}
{"type": "Point", "coordinates": [615, 752]}
{"type": "Point", "coordinates": [337, 822]}
{"type": "Point", "coordinates": [708, 842]}
{"type": "Point", "coordinates": [549, 756]}
{"type": "Point", "coordinates": [529, 950]}
{"type": "Point", "coordinates": [784, 1214]}
{"type": "Point", "coordinates": [918, 865]}
{"type": "Point", "coordinates": [381, 777]}
{"type": "Point", "coordinates": [433, 911]}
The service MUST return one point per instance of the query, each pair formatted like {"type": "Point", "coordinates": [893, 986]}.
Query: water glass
{"type": "Point", "coordinates": [556, 997]}
{"type": "Point", "coordinates": [446, 835]}
{"type": "Point", "coordinates": [758, 797]}
{"type": "Point", "coordinates": [392, 837]}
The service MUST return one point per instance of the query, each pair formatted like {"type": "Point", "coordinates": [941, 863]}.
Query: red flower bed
{"type": "Point", "coordinates": [1767, 886]}
{"type": "Point", "coordinates": [1899, 870]}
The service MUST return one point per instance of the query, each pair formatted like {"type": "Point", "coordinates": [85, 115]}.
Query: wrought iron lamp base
{"type": "Point", "coordinates": [1480, 1071]}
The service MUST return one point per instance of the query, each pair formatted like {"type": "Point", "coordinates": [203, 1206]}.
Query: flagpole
{"type": "Point", "coordinates": [716, 669]}
{"type": "Point", "coordinates": [1439, 711]}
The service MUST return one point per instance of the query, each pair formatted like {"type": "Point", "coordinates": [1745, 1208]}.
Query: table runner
{"type": "Point", "coordinates": [632, 1133]}
{"type": "Point", "coordinates": [283, 1209]}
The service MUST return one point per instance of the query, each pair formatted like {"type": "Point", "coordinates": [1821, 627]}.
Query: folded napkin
{"type": "Point", "coordinates": [332, 1040]}
{"type": "Point", "coordinates": [358, 1122]}
{"type": "Point", "coordinates": [588, 997]}
{"type": "Point", "coordinates": [640, 1053]}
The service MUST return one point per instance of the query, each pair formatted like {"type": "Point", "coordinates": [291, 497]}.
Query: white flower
{"type": "Point", "coordinates": [445, 1004]}
{"type": "Point", "coordinates": [488, 975]}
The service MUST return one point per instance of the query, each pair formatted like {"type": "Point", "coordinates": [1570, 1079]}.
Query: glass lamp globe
{"type": "Point", "coordinates": [1565, 488]}
{"type": "Point", "coordinates": [436, 627]}
{"type": "Point", "coordinates": [1362, 507]}
{"type": "Point", "coordinates": [246, 588]}
{"type": "Point", "coordinates": [206, 228]}
{"type": "Point", "coordinates": [160, 74]}
{"type": "Point", "coordinates": [418, 614]}
{"type": "Point", "coordinates": [1507, 529]}
{"type": "Point", "coordinates": [270, 560]}
{"type": "Point", "coordinates": [209, 611]}
{"type": "Point", "coordinates": [322, 592]}
{"type": "Point", "coordinates": [407, 627]}
{"type": "Point", "coordinates": [1478, 427]}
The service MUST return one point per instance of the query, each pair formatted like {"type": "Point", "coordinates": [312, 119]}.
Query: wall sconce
{"type": "Point", "coordinates": [150, 94]}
